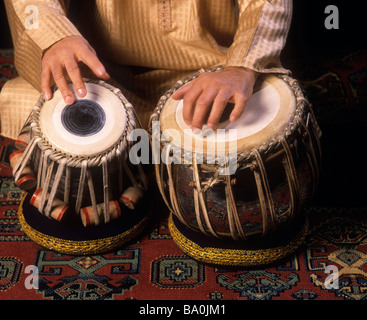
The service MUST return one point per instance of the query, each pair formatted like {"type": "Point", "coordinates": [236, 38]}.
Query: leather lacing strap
{"type": "Point", "coordinates": [83, 174]}
{"type": "Point", "coordinates": [106, 189]}
{"type": "Point", "coordinates": [315, 129]}
{"type": "Point", "coordinates": [159, 178]}
{"type": "Point", "coordinates": [46, 186]}
{"type": "Point", "coordinates": [291, 174]}
{"type": "Point", "coordinates": [23, 161]}
{"type": "Point", "coordinates": [199, 197]}
{"type": "Point", "coordinates": [45, 166]}
{"type": "Point", "coordinates": [197, 212]}
{"type": "Point", "coordinates": [40, 164]}
{"type": "Point", "coordinates": [60, 171]}
{"type": "Point", "coordinates": [129, 173]}
{"type": "Point", "coordinates": [67, 184]}
{"type": "Point", "coordinates": [119, 168]}
{"type": "Point", "coordinates": [158, 165]}
{"type": "Point", "coordinates": [171, 185]}
{"type": "Point", "coordinates": [93, 198]}
{"type": "Point", "coordinates": [263, 189]}
{"type": "Point", "coordinates": [233, 217]}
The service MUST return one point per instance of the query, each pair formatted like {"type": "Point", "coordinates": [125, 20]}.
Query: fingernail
{"type": "Point", "coordinates": [232, 118]}
{"type": "Point", "coordinates": [102, 73]}
{"type": "Point", "coordinates": [47, 96]}
{"type": "Point", "coordinates": [211, 126]}
{"type": "Point", "coordinates": [81, 92]}
{"type": "Point", "coordinates": [69, 100]}
{"type": "Point", "coordinates": [196, 131]}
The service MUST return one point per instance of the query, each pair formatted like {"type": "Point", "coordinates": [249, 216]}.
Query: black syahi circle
{"type": "Point", "coordinates": [83, 118]}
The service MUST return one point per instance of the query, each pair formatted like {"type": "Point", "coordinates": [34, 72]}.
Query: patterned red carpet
{"type": "Point", "coordinates": [153, 268]}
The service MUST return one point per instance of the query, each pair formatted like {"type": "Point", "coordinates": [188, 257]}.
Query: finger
{"type": "Point", "coordinates": [180, 93]}
{"type": "Point", "coordinates": [189, 102]}
{"type": "Point", "coordinates": [220, 102]}
{"type": "Point", "coordinates": [72, 69]}
{"type": "Point", "coordinates": [240, 104]}
{"type": "Point", "coordinates": [62, 84]}
{"type": "Point", "coordinates": [202, 107]}
{"type": "Point", "coordinates": [91, 60]}
{"type": "Point", "coordinates": [46, 83]}
{"type": "Point", "coordinates": [91, 48]}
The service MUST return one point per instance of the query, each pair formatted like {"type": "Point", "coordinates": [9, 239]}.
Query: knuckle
{"type": "Point", "coordinates": [203, 103]}
{"type": "Point", "coordinates": [214, 117]}
{"type": "Point", "coordinates": [58, 76]}
{"type": "Point", "coordinates": [65, 94]}
{"type": "Point", "coordinates": [205, 100]}
{"type": "Point", "coordinates": [220, 100]}
{"type": "Point", "coordinates": [207, 75]}
{"type": "Point", "coordinates": [197, 121]}
{"type": "Point", "coordinates": [73, 69]}
{"type": "Point", "coordinates": [242, 96]}
{"type": "Point", "coordinates": [189, 98]}
{"type": "Point", "coordinates": [44, 75]}
{"type": "Point", "coordinates": [46, 64]}
{"type": "Point", "coordinates": [72, 66]}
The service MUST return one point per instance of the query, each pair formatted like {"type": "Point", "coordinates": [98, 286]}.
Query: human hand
{"type": "Point", "coordinates": [216, 89]}
{"type": "Point", "coordinates": [61, 61]}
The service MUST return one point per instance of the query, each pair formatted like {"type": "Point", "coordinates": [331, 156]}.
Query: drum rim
{"type": "Point", "coordinates": [237, 257]}
{"type": "Point", "coordinates": [301, 107]}
{"type": "Point", "coordinates": [81, 247]}
{"type": "Point", "coordinates": [93, 159]}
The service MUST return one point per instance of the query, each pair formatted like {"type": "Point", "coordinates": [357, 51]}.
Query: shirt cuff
{"type": "Point", "coordinates": [263, 53]}
{"type": "Point", "coordinates": [44, 21]}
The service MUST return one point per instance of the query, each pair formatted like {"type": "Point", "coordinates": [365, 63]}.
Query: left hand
{"type": "Point", "coordinates": [61, 60]}
{"type": "Point", "coordinates": [216, 89]}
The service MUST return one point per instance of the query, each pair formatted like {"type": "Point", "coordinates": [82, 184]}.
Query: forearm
{"type": "Point", "coordinates": [30, 43]}
{"type": "Point", "coordinates": [262, 54]}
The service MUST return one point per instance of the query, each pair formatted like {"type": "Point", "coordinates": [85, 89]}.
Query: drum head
{"type": "Point", "coordinates": [89, 126]}
{"type": "Point", "coordinates": [267, 114]}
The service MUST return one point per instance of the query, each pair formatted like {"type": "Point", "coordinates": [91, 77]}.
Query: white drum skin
{"type": "Point", "coordinates": [54, 130]}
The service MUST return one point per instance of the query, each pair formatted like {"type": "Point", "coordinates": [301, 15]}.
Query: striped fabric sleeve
{"type": "Point", "coordinates": [268, 40]}
{"type": "Point", "coordinates": [35, 25]}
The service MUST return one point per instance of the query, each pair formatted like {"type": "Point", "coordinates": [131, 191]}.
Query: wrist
{"type": "Point", "coordinates": [246, 71]}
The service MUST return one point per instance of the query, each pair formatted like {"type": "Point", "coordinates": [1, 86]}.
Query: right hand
{"type": "Point", "coordinates": [61, 60]}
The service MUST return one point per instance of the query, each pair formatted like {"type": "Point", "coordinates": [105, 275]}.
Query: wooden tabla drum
{"type": "Point", "coordinates": [236, 193]}
{"type": "Point", "coordinates": [83, 193]}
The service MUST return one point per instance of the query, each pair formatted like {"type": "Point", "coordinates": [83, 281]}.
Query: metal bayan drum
{"type": "Point", "coordinates": [245, 210]}
{"type": "Point", "coordinates": [83, 192]}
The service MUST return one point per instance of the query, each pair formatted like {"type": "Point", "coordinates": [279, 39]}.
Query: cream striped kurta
{"type": "Point", "coordinates": [146, 45]}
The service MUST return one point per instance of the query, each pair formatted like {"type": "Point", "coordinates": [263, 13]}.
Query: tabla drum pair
{"type": "Point", "coordinates": [236, 194]}
{"type": "Point", "coordinates": [84, 196]}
